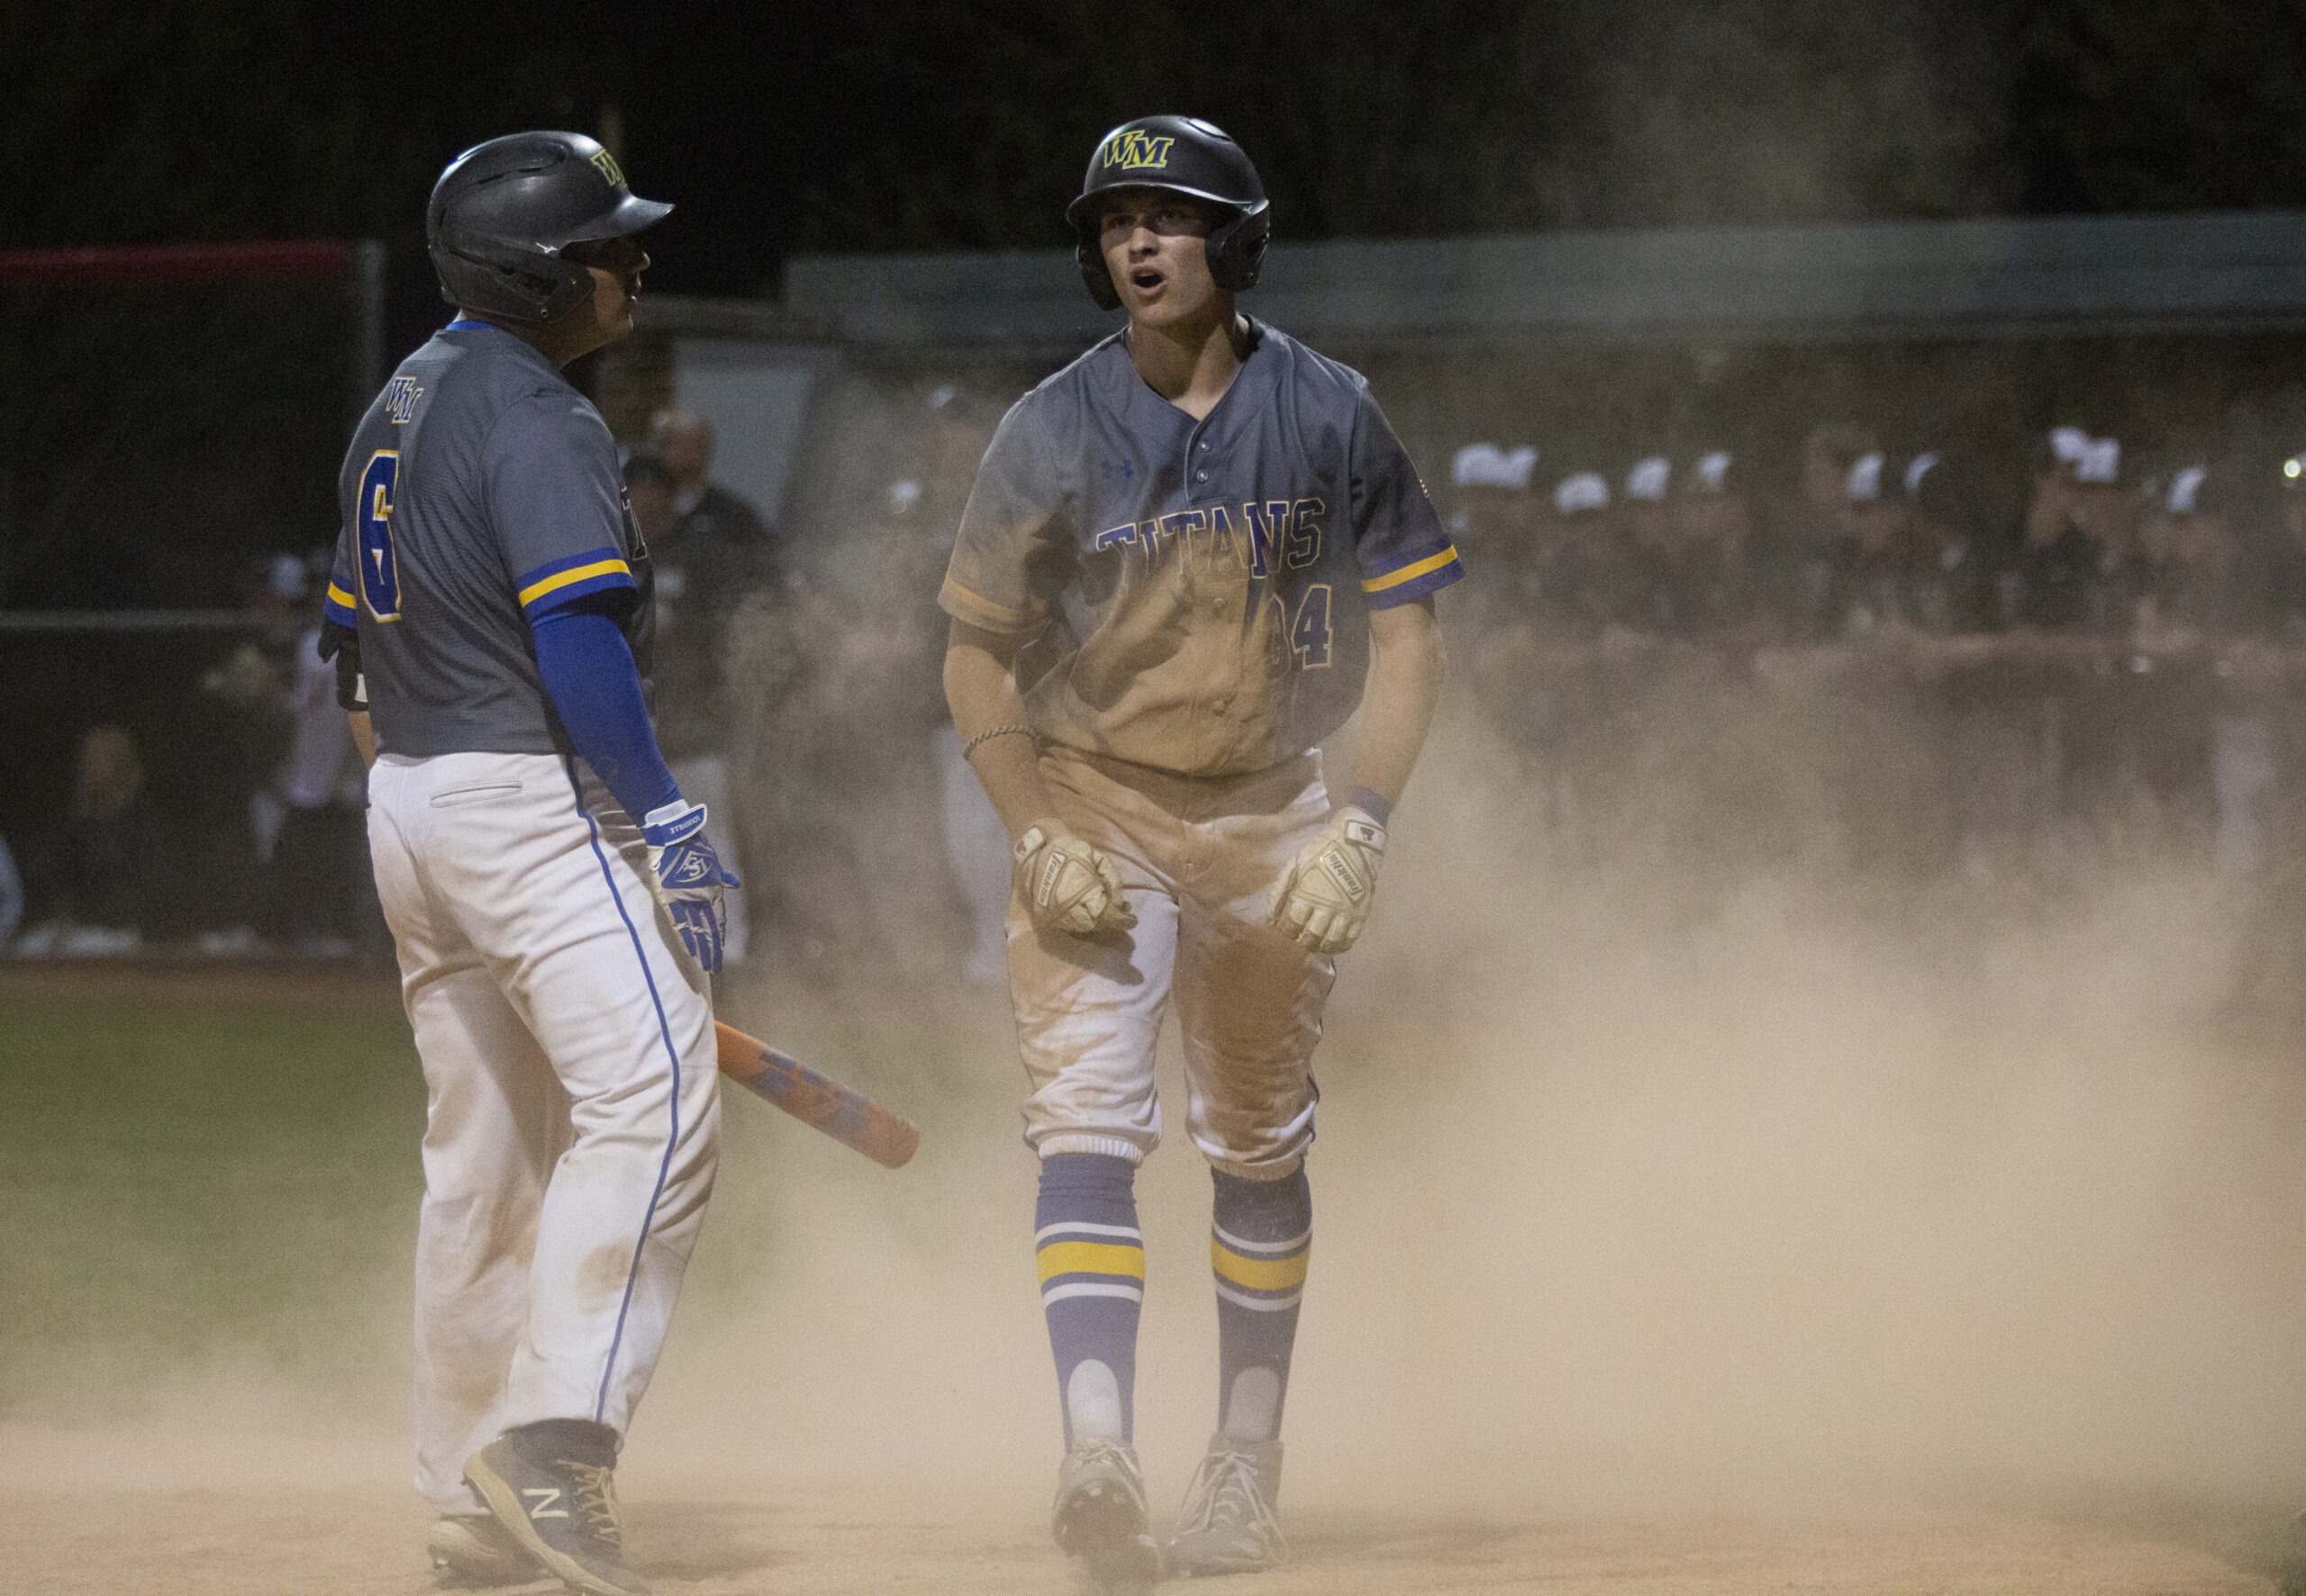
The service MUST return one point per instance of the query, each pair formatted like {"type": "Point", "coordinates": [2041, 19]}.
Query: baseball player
{"type": "Point", "coordinates": [554, 903]}
{"type": "Point", "coordinates": [1185, 557]}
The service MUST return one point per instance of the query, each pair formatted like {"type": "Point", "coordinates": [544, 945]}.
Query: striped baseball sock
{"type": "Point", "coordinates": [1093, 1282]}
{"type": "Point", "coordinates": [1261, 1237]}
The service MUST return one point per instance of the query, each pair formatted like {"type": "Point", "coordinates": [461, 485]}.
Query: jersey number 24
{"type": "Point", "coordinates": [373, 515]}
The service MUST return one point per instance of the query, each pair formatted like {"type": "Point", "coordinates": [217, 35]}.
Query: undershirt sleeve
{"type": "Point", "coordinates": [589, 673]}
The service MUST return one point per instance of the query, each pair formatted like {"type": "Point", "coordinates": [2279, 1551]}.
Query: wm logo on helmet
{"type": "Point", "coordinates": [1134, 150]}
{"type": "Point", "coordinates": [606, 163]}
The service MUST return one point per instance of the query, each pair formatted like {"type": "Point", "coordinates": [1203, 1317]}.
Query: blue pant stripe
{"type": "Point", "coordinates": [672, 1105]}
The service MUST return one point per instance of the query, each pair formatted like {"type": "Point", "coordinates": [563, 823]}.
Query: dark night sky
{"type": "Point", "coordinates": [909, 125]}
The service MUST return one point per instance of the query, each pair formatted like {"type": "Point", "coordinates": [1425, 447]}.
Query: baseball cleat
{"type": "Point", "coordinates": [552, 1486]}
{"type": "Point", "coordinates": [474, 1549]}
{"type": "Point", "coordinates": [1100, 1516]}
{"type": "Point", "coordinates": [1228, 1525]}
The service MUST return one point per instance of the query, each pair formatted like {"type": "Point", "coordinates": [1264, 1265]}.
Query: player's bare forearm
{"type": "Point", "coordinates": [363, 734]}
{"type": "Point", "coordinates": [1405, 671]}
{"type": "Point", "coordinates": [981, 689]}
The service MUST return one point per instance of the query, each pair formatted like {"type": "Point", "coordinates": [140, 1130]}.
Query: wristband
{"type": "Point", "coordinates": [1012, 729]}
{"type": "Point", "coordinates": [1379, 806]}
{"type": "Point", "coordinates": [676, 821]}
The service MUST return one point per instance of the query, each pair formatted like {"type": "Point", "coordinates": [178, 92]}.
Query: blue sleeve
{"type": "Point", "coordinates": [589, 674]}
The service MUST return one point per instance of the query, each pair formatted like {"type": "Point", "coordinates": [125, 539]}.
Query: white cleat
{"type": "Point", "coordinates": [1229, 1524]}
{"type": "Point", "coordinates": [1100, 1516]}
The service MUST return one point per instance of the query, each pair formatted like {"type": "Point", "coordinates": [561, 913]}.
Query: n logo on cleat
{"type": "Point", "coordinates": [542, 1508]}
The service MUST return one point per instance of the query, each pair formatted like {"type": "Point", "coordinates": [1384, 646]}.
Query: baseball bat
{"type": "Point", "coordinates": [842, 1112]}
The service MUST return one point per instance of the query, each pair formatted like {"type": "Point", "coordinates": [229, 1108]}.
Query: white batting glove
{"type": "Point", "coordinates": [1324, 897]}
{"type": "Point", "coordinates": [1069, 885]}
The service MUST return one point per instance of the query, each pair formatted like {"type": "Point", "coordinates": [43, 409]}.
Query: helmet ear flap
{"type": "Point", "coordinates": [478, 273]}
{"type": "Point", "coordinates": [1237, 249]}
{"type": "Point", "coordinates": [1094, 276]}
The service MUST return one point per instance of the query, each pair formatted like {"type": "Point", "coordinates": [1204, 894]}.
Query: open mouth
{"type": "Point", "coordinates": [1146, 279]}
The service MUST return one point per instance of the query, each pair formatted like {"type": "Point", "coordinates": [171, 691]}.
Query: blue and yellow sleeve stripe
{"type": "Point", "coordinates": [558, 582]}
{"type": "Point", "coordinates": [980, 612]}
{"type": "Point", "coordinates": [1412, 579]}
{"type": "Point", "coordinates": [1084, 1260]}
{"type": "Point", "coordinates": [338, 607]}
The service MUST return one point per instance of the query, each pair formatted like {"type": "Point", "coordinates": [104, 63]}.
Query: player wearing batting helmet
{"type": "Point", "coordinates": [553, 899]}
{"type": "Point", "coordinates": [1185, 557]}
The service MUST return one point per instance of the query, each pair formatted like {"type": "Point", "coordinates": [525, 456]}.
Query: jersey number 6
{"type": "Point", "coordinates": [379, 572]}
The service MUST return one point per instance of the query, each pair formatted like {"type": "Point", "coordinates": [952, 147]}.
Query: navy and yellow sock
{"type": "Point", "coordinates": [1261, 1237]}
{"type": "Point", "coordinates": [1092, 1262]}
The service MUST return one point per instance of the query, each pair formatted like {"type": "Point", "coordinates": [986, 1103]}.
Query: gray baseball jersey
{"type": "Point", "coordinates": [1197, 593]}
{"type": "Point", "coordinates": [481, 492]}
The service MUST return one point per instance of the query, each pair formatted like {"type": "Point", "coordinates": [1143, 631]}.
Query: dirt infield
{"type": "Point", "coordinates": [1765, 1248]}
{"type": "Point", "coordinates": [125, 1527]}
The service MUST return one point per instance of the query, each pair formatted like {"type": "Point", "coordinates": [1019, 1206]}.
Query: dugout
{"type": "Point", "coordinates": [2184, 336]}
{"type": "Point", "coordinates": [1600, 347]}
{"type": "Point", "coordinates": [131, 481]}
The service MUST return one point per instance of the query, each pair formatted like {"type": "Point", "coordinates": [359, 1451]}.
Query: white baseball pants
{"type": "Point", "coordinates": [572, 1120]}
{"type": "Point", "coordinates": [1199, 860]}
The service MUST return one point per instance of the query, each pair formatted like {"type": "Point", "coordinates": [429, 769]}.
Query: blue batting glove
{"type": "Point", "coordinates": [690, 877]}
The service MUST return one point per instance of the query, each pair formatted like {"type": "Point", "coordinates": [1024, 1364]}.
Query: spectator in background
{"type": "Point", "coordinates": [1951, 534]}
{"type": "Point", "coordinates": [309, 817]}
{"type": "Point", "coordinates": [1584, 574]}
{"type": "Point", "coordinates": [92, 872]}
{"type": "Point", "coordinates": [12, 894]}
{"type": "Point", "coordinates": [2188, 551]}
{"type": "Point", "coordinates": [976, 844]}
{"type": "Point", "coordinates": [1713, 583]}
{"type": "Point", "coordinates": [1813, 535]}
{"type": "Point", "coordinates": [1687, 532]}
{"type": "Point", "coordinates": [714, 558]}
{"type": "Point", "coordinates": [2076, 570]}
{"type": "Point", "coordinates": [1907, 559]}
{"type": "Point", "coordinates": [2190, 559]}
{"type": "Point", "coordinates": [1495, 527]}
{"type": "Point", "coordinates": [1653, 549]}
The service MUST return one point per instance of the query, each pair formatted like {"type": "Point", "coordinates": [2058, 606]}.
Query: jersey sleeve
{"type": "Point", "coordinates": [1397, 539]}
{"type": "Point", "coordinates": [339, 602]}
{"type": "Point", "coordinates": [1012, 530]}
{"type": "Point", "coordinates": [557, 501]}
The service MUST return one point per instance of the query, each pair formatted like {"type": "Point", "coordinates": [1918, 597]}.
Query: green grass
{"type": "Point", "coordinates": [189, 1177]}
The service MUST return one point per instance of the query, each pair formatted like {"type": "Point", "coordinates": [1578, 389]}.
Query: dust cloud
{"type": "Point", "coordinates": [1777, 1194]}
{"type": "Point", "coordinates": [1642, 1183]}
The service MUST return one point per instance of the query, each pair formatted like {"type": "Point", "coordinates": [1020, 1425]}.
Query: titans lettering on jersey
{"type": "Point", "coordinates": [1198, 592]}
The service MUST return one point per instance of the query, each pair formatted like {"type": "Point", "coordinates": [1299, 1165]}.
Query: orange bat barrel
{"type": "Point", "coordinates": [842, 1112]}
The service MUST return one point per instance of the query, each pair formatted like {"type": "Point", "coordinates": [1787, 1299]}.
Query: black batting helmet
{"type": "Point", "coordinates": [504, 210]}
{"type": "Point", "coordinates": [1183, 155]}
